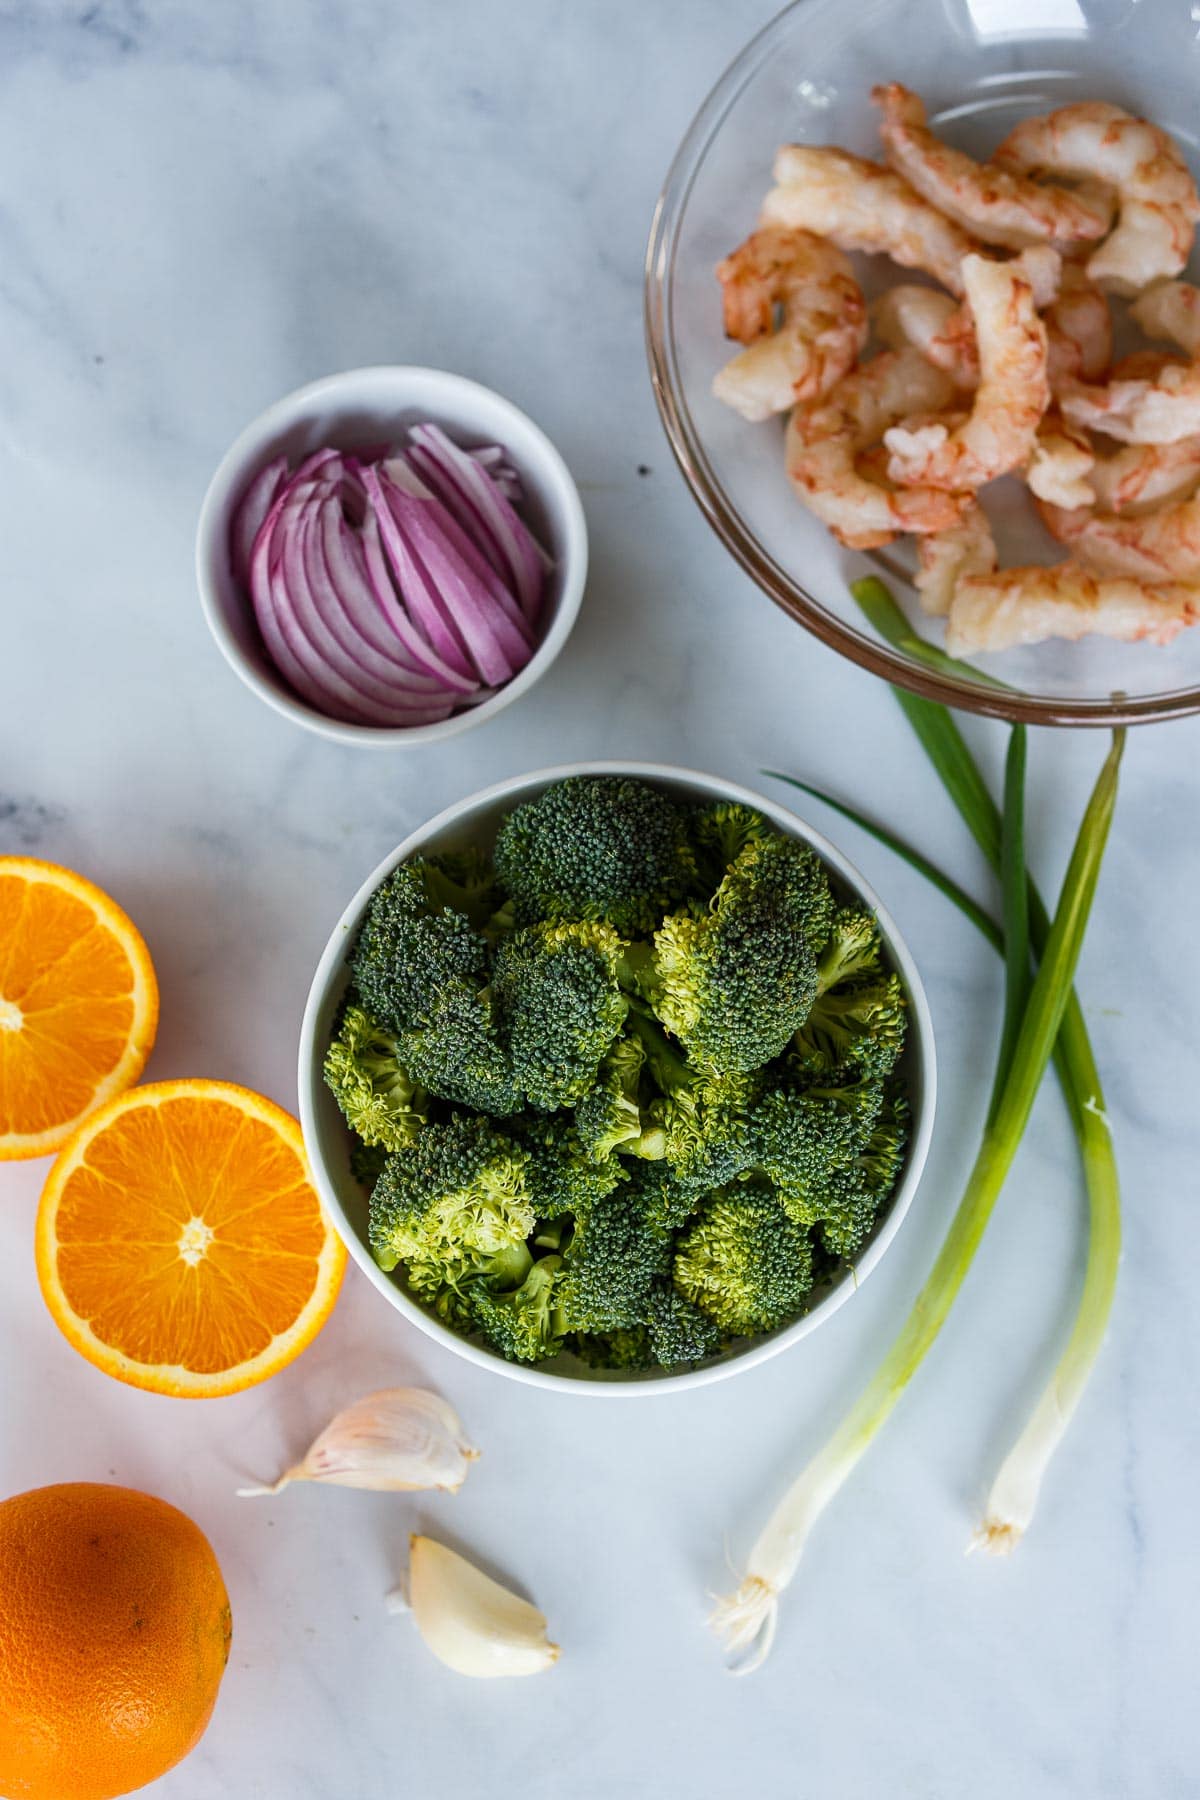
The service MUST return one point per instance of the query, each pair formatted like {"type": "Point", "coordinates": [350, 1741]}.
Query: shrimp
{"type": "Point", "coordinates": [933, 323]}
{"type": "Point", "coordinates": [1060, 467]}
{"type": "Point", "coordinates": [824, 321]}
{"type": "Point", "coordinates": [1013, 391]}
{"type": "Point", "coordinates": [1153, 546]}
{"type": "Point", "coordinates": [1078, 331]}
{"type": "Point", "coordinates": [1150, 398]}
{"type": "Point", "coordinates": [860, 205]}
{"type": "Point", "coordinates": [1026, 606]}
{"type": "Point", "coordinates": [1171, 310]}
{"type": "Point", "coordinates": [945, 332]}
{"type": "Point", "coordinates": [1157, 202]}
{"type": "Point", "coordinates": [943, 557]}
{"type": "Point", "coordinates": [1145, 475]}
{"type": "Point", "coordinates": [824, 440]}
{"type": "Point", "coordinates": [994, 204]}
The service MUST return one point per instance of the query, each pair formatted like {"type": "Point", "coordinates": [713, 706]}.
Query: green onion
{"type": "Point", "coordinates": [747, 1619]}
{"type": "Point", "coordinates": [1014, 1494]}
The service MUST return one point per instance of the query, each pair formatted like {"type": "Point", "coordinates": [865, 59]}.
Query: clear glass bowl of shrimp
{"type": "Point", "coordinates": [981, 67]}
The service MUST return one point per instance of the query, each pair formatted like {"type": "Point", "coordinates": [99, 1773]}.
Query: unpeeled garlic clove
{"type": "Point", "coordinates": [396, 1440]}
{"type": "Point", "coordinates": [471, 1623]}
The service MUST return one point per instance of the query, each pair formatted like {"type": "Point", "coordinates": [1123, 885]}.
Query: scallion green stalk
{"type": "Point", "coordinates": [746, 1620]}
{"type": "Point", "coordinates": [1014, 1494]}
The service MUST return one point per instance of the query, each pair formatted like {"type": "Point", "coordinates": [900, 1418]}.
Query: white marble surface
{"type": "Point", "coordinates": [200, 207]}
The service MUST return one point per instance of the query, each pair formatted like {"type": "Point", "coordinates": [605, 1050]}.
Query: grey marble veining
{"type": "Point", "coordinates": [202, 206]}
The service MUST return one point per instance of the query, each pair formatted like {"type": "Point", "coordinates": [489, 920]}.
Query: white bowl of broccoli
{"type": "Point", "coordinates": [616, 1077]}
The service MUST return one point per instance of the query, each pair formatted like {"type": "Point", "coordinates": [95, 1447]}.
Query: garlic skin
{"type": "Point", "coordinates": [393, 1441]}
{"type": "Point", "coordinates": [471, 1623]}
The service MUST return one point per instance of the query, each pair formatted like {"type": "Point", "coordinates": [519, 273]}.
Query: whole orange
{"type": "Point", "coordinates": [114, 1635]}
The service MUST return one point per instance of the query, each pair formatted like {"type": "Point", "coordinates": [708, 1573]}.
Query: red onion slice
{"type": "Point", "coordinates": [425, 605]}
{"type": "Point", "coordinates": [524, 556]}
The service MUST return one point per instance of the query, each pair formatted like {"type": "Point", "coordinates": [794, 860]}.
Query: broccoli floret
{"type": "Point", "coordinates": [799, 1134]}
{"type": "Point", "coordinates": [614, 1254]}
{"type": "Point", "coordinates": [558, 1007]}
{"type": "Point", "coordinates": [380, 1100]}
{"type": "Point", "coordinates": [699, 1114]}
{"type": "Point", "coordinates": [602, 847]}
{"type": "Point", "coordinates": [667, 1200]}
{"type": "Point", "coordinates": [367, 1163]}
{"type": "Point", "coordinates": [628, 1349]}
{"type": "Point", "coordinates": [855, 948]}
{"type": "Point", "coordinates": [412, 942]}
{"type": "Point", "coordinates": [735, 979]}
{"type": "Point", "coordinates": [519, 1323]}
{"type": "Point", "coordinates": [561, 1178]}
{"type": "Point", "coordinates": [457, 1055]}
{"type": "Point", "coordinates": [453, 1204]}
{"type": "Point", "coordinates": [846, 1203]}
{"type": "Point", "coordinates": [679, 1332]}
{"type": "Point", "coordinates": [720, 833]}
{"type": "Point", "coordinates": [609, 1117]}
{"type": "Point", "coordinates": [858, 1026]}
{"type": "Point", "coordinates": [744, 1262]}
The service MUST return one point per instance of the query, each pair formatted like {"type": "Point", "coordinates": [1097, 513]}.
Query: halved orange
{"type": "Point", "coordinates": [78, 1004]}
{"type": "Point", "coordinates": [181, 1245]}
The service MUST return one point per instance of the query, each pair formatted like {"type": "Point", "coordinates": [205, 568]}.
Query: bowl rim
{"type": "Point", "coordinates": [550, 475]}
{"type": "Point", "coordinates": [1009, 704]}
{"type": "Point", "coordinates": [515, 788]}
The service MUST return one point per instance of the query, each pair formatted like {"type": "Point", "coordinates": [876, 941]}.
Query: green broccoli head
{"type": "Point", "coordinates": [412, 943]}
{"type": "Point", "coordinates": [615, 1252]}
{"type": "Point", "coordinates": [720, 833]}
{"type": "Point", "coordinates": [456, 1054]}
{"type": "Point", "coordinates": [519, 1322]}
{"type": "Point", "coordinates": [602, 847]}
{"type": "Point", "coordinates": [367, 1163]}
{"type": "Point", "coordinates": [378, 1097]}
{"type": "Point", "coordinates": [798, 1133]}
{"type": "Point", "coordinates": [558, 1007]}
{"type": "Point", "coordinates": [697, 1121]}
{"type": "Point", "coordinates": [627, 1349]}
{"type": "Point", "coordinates": [744, 1262]}
{"type": "Point", "coordinates": [453, 1204]}
{"type": "Point", "coordinates": [609, 1115]}
{"type": "Point", "coordinates": [845, 1205]}
{"type": "Point", "coordinates": [679, 1332]}
{"type": "Point", "coordinates": [563, 1180]}
{"type": "Point", "coordinates": [735, 979]}
{"type": "Point", "coordinates": [855, 948]}
{"type": "Point", "coordinates": [858, 1026]}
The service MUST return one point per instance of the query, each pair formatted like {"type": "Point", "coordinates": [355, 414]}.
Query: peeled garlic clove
{"type": "Point", "coordinates": [397, 1439]}
{"type": "Point", "coordinates": [469, 1621]}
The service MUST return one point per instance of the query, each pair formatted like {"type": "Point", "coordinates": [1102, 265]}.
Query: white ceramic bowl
{"type": "Point", "coordinates": [474, 822]}
{"type": "Point", "coordinates": [371, 406]}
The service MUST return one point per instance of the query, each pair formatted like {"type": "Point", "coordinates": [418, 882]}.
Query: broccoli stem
{"type": "Point", "coordinates": [747, 1619]}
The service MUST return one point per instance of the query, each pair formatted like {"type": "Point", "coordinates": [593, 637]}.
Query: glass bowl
{"type": "Point", "coordinates": [980, 65]}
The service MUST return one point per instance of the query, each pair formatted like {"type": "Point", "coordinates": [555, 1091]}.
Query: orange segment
{"type": "Point", "coordinates": [181, 1245]}
{"type": "Point", "coordinates": [78, 1004]}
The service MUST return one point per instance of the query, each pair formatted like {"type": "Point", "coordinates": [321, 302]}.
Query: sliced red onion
{"type": "Point", "coordinates": [344, 569]}
{"type": "Point", "coordinates": [315, 605]}
{"type": "Point", "coordinates": [381, 580]}
{"type": "Point", "coordinates": [389, 592]}
{"type": "Point", "coordinates": [252, 509]}
{"type": "Point", "coordinates": [523, 555]}
{"type": "Point", "coordinates": [498, 647]}
{"type": "Point", "coordinates": [426, 607]}
{"type": "Point", "coordinates": [399, 470]}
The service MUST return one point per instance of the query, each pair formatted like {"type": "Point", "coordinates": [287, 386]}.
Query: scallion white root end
{"type": "Point", "coordinates": [746, 1622]}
